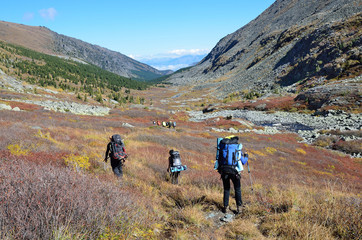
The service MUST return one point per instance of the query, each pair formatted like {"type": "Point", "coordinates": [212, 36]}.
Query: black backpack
{"type": "Point", "coordinates": [117, 148]}
{"type": "Point", "coordinates": [176, 159]}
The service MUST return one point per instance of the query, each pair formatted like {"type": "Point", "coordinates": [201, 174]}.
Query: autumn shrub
{"type": "Point", "coordinates": [204, 179]}
{"type": "Point", "coordinates": [300, 212]}
{"type": "Point", "coordinates": [77, 162]}
{"type": "Point", "coordinates": [192, 216]}
{"type": "Point", "coordinates": [17, 150]}
{"type": "Point", "coordinates": [351, 147]}
{"type": "Point", "coordinates": [14, 133]}
{"type": "Point", "coordinates": [355, 133]}
{"type": "Point", "coordinates": [323, 141]}
{"type": "Point", "coordinates": [182, 197]}
{"type": "Point", "coordinates": [39, 201]}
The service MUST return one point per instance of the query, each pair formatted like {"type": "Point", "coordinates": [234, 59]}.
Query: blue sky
{"type": "Point", "coordinates": [139, 28]}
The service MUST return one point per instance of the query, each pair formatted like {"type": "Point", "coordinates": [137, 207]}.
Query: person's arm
{"type": "Point", "coordinates": [107, 151]}
{"type": "Point", "coordinates": [245, 158]}
{"type": "Point", "coordinates": [216, 165]}
{"type": "Point", "coordinates": [169, 164]}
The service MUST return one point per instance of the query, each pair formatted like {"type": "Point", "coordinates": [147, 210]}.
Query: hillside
{"type": "Point", "coordinates": [301, 128]}
{"type": "Point", "coordinates": [25, 66]}
{"type": "Point", "coordinates": [44, 40]}
{"type": "Point", "coordinates": [55, 184]}
{"type": "Point", "coordinates": [292, 46]}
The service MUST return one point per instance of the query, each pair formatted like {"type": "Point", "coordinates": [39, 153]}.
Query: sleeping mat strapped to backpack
{"type": "Point", "coordinates": [176, 162]}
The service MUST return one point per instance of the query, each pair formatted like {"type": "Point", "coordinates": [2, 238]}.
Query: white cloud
{"type": "Point", "coordinates": [133, 56]}
{"type": "Point", "coordinates": [181, 52]}
{"type": "Point", "coordinates": [28, 16]}
{"type": "Point", "coordinates": [171, 54]}
{"type": "Point", "coordinates": [48, 14]}
{"type": "Point", "coordinates": [171, 67]}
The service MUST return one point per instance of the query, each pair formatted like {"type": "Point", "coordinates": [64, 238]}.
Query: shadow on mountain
{"type": "Point", "coordinates": [311, 57]}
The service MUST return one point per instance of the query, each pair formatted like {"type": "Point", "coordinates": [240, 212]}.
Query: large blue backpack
{"type": "Point", "coordinates": [229, 151]}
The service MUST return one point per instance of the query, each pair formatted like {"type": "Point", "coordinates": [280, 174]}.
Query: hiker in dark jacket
{"type": "Point", "coordinates": [117, 153]}
{"type": "Point", "coordinates": [172, 163]}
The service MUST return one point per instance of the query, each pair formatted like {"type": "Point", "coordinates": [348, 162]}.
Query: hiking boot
{"type": "Point", "coordinates": [238, 209]}
{"type": "Point", "coordinates": [224, 209]}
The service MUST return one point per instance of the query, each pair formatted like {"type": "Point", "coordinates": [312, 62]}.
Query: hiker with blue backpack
{"type": "Point", "coordinates": [229, 163]}
{"type": "Point", "coordinates": [117, 153]}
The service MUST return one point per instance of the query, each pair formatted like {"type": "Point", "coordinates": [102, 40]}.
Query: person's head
{"type": "Point", "coordinates": [171, 151]}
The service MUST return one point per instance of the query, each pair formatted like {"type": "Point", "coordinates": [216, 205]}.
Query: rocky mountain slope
{"type": "Point", "coordinates": [294, 44]}
{"type": "Point", "coordinates": [44, 40]}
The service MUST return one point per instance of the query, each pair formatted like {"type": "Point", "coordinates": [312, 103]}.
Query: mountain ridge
{"type": "Point", "coordinates": [44, 40]}
{"type": "Point", "coordinates": [259, 54]}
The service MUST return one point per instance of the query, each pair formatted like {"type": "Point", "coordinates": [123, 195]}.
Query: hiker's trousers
{"type": "Point", "coordinates": [117, 168]}
{"type": "Point", "coordinates": [237, 187]}
{"type": "Point", "coordinates": [174, 177]}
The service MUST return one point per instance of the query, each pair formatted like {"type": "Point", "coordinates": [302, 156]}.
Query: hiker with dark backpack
{"type": "Point", "coordinates": [175, 166]}
{"type": "Point", "coordinates": [229, 163]}
{"type": "Point", "coordinates": [117, 153]}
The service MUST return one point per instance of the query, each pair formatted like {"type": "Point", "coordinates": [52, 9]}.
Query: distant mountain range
{"type": "Point", "coordinates": [294, 44]}
{"type": "Point", "coordinates": [44, 40]}
{"type": "Point", "coordinates": [173, 63]}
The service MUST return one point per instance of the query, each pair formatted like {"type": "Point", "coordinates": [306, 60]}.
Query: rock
{"type": "Point", "coordinates": [4, 107]}
{"type": "Point", "coordinates": [208, 109]}
{"type": "Point", "coordinates": [232, 130]}
{"type": "Point", "coordinates": [260, 107]}
{"type": "Point", "coordinates": [127, 125]}
{"type": "Point", "coordinates": [72, 107]}
{"type": "Point", "coordinates": [227, 218]}
{"type": "Point", "coordinates": [16, 109]}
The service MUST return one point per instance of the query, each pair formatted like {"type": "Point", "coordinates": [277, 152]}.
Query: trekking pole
{"type": "Point", "coordinates": [105, 164]}
{"type": "Point", "coordinates": [251, 182]}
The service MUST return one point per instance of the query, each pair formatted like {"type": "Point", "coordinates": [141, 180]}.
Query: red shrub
{"type": "Point", "coordinates": [36, 201]}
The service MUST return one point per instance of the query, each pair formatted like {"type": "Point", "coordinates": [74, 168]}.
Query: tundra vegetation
{"type": "Point", "coordinates": [55, 185]}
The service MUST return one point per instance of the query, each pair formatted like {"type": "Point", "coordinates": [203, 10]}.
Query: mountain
{"type": "Point", "coordinates": [294, 45]}
{"type": "Point", "coordinates": [44, 40]}
{"type": "Point", "coordinates": [174, 63]}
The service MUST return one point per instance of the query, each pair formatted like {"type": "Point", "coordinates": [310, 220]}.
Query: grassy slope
{"type": "Point", "coordinates": [300, 191]}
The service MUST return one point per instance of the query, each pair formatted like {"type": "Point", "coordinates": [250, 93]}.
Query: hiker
{"type": "Point", "coordinates": [229, 163]}
{"type": "Point", "coordinates": [158, 123]}
{"type": "Point", "coordinates": [169, 124]}
{"type": "Point", "coordinates": [117, 153]}
{"type": "Point", "coordinates": [175, 166]}
{"type": "Point", "coordinates": [174, 124]}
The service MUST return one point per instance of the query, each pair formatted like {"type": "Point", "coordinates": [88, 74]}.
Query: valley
{"type": "Point", "coordinates": [293, 182]}
{"type": "Point", "coordinates": [287, 84]}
